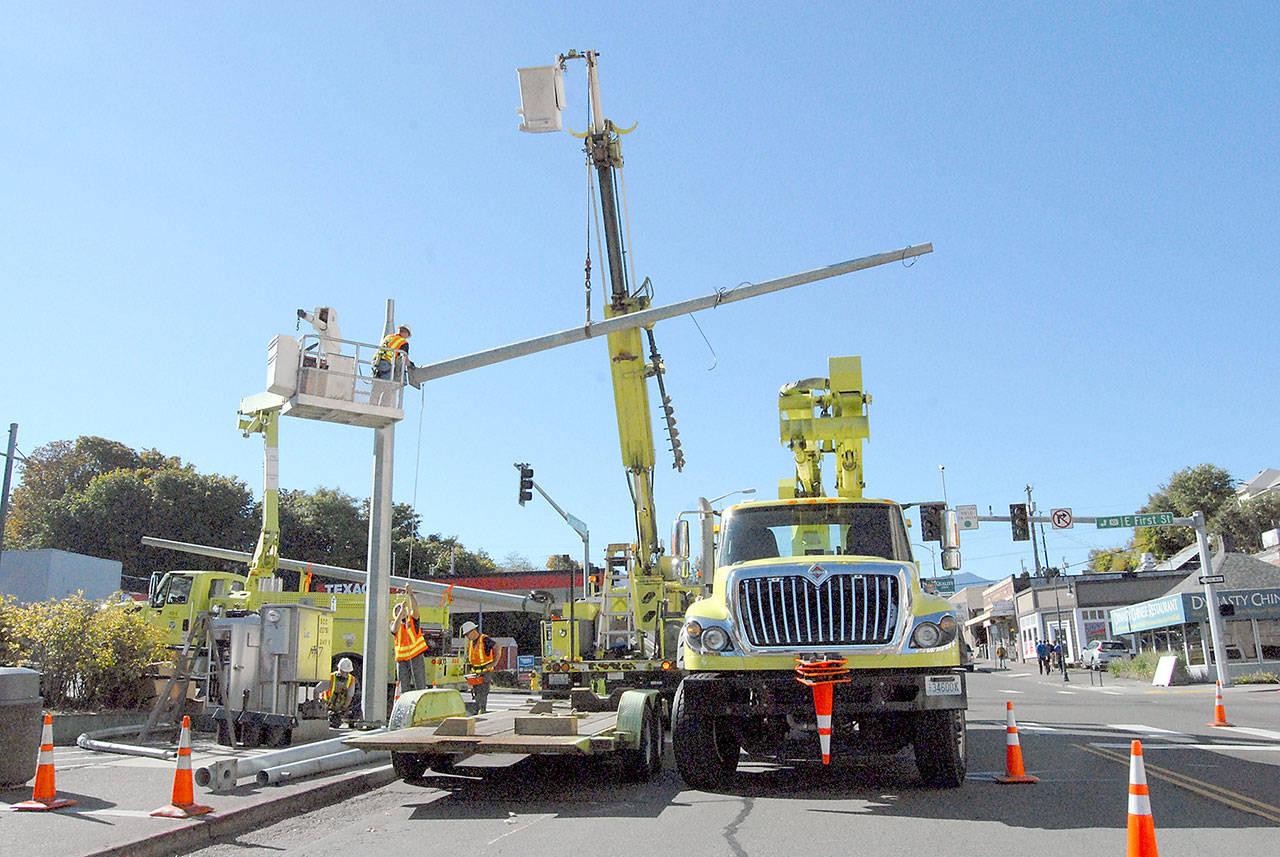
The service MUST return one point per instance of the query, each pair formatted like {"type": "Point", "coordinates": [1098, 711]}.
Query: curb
{"type": "Point", "coordinates": [209, 829]}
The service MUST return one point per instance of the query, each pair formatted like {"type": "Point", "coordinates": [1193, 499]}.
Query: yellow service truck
{"type": "Point", "coordinates": [811, 591]}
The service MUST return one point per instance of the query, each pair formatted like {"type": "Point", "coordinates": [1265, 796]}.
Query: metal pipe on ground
{"type": "Point", "coordinates": [323, 764]}
{"type": "Point", "coordinates": [93, 741]}
{"type": "Point", "coordinates": [223, 773]}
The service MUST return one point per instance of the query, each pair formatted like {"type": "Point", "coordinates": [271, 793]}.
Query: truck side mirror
{"type": "Point", "coordinates": [680, 539]}
{"type": "Point", "coordinates": [950, 540]}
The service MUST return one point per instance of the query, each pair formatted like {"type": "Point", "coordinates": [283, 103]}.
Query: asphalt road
{"type": "Point", "coordinates": [1213, 791]}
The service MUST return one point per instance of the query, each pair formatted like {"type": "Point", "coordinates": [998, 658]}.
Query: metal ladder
{"type": "Point", "coordinates": [617, 627]}
{"type": "Point", "coordinates": [187, 661]}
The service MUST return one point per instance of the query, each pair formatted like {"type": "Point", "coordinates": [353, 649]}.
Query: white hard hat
{"type": "Point", "coordinates": [468, 627]}
{"type": "Point", "coordinates": [345, 665]}
{"type": "Point", "coordinates": [405, 328]}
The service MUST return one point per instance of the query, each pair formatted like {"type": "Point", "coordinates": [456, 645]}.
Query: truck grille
{"type": "Point", "coordinates": [843, 610]}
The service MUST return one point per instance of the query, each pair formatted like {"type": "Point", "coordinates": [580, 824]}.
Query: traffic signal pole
{"type": "Point", "coordinates": [578, 527]}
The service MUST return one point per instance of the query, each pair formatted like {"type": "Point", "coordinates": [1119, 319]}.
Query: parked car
{"type": "Point", "coordinates": [1099, 653]}
{"type": "Point", "coordinates": [966, 656]}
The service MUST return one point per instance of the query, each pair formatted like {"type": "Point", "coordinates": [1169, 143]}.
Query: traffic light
{"type": "Point", "coordinates": [1018, 520]}
{"type": "Point", "coordinates": [526, 483]}
{"type": "Point", "coordinates": [931, 521]}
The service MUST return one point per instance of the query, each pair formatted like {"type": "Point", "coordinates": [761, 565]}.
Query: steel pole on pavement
{"type": "Point", "coordinates": [1216, 630]}
{"type": "Point", "coordinates": [8, 477]}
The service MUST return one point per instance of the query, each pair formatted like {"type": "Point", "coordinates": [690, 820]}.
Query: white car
{"type": "Point", "coordinates": [1099, 653]}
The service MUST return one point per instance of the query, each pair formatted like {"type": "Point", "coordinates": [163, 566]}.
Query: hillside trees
{"type": "Point", "coordinates": [99, 497]}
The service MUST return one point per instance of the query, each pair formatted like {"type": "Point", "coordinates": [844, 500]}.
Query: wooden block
{"type": "Point", "coordinates": [546, 725]}
{"type": "Point", "coordinates": [457, 727]}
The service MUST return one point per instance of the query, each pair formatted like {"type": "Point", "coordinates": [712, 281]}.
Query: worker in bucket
{"type": "Point", "coordinates": [393, 345]}
{"type": "Point", "coordinates": [410, 644]}
{"type": "Point", "coordinates": [339, 694]}
{"type": "Point", "coordinates": [481, 657]}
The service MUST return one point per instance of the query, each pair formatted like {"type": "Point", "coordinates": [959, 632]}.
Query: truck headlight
{"type": "Point", "coordinates": [714, 638]}
{"type": "Point", "coordinates": [926, 636]}
{"type": "Point", "coordinates": [947, 624]}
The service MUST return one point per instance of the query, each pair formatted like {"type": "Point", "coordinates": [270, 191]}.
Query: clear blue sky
{"type": "Point", "coordinates": [1100, 184]}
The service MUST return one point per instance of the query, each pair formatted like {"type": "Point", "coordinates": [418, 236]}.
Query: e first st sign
{"type": "Point", "coordinates": [1128, 522]}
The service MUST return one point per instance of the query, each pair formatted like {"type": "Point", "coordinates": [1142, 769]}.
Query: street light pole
{"type": "Point", "coordinates": [1062, 656]}
{"type": "Point", "coordinates": [933, 559]}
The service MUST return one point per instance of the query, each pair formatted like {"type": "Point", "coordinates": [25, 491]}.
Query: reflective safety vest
{"type": "Point", "coordinates": [476, 656]}
{"type": "Point", "coordinates": [346, 685]}
{"type": "Point", "coordinates": [409, 640]}
{"type": "Point", "coordinates": [391, 344]}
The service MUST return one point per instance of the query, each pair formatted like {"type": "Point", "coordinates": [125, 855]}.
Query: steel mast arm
{"type": "Point", "coordinates": [649, 317]}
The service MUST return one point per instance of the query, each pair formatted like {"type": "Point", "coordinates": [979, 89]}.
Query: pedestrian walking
{"type": "Point", "coordinates": [1042, 657]}
{"type": "Point", "coordinates": [1000, 655]}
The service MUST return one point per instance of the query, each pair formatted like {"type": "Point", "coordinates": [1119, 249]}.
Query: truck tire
{"type": "Point", "coordinates": [941, 748]}
{"type": "Point", "coordinates": [706, 751]}
{"type": "Point", "coordinates": [409, 766]}
{"type": "Point", "coordinates": [644, 762]}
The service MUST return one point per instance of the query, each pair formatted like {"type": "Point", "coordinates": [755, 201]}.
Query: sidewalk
{"type": "Point", "coordinates": [115, 795]}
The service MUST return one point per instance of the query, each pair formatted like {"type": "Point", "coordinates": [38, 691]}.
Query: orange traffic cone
{"type": "Point", "coordinates": [1142, 827]}
{"type": "Point", "coordinates": [1014, 772]}
{"type": "Point", "coordinates": [1219, 713]}
{"type": "Point", "coordinates": [822, 708]}
{"type": "Point", "coordinates": [183, 804]}
{"type": "Point", "coordinates": [44, 795]}
{"type": "Point", "coordinates": [396, 698]}
{"type": "Point", "coordinates": [820, 675]}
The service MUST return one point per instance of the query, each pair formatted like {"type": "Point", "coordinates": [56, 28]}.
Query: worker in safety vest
{"type": "Point", "coordinates": [482, 658]}
{"type": "Point", "coordinates": [410, 644]}
{"type": "Point", "coordinates": [393, 345]}
{"type": "Point", "coordinates": [339, 692]}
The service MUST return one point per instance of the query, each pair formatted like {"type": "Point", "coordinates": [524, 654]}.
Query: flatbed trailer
{"type": "Point", "coordinates": [431, 729]}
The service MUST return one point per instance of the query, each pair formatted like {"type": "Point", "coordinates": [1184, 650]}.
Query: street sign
{"type": "Point", "coordinates": [967, 517]}
{"type": "Point", "coordinates": [1152, 519]}
{"type": "Point", "coordinates": [1061, 519]}
{"type": "Point", "coordinates": [1212, 578]}
{"type": "Point", "coordinates": [941, 585]}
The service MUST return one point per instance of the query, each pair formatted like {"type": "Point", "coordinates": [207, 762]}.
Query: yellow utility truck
{"type": "Point", "coordinates": [814, 597]}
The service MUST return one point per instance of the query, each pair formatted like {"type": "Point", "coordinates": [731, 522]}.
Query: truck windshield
{"type": "Point", "coordinates": [854, 529]}
{"type": "Point", "coordinates": [173, 589]}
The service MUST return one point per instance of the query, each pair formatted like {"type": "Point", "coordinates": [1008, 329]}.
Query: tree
{"type": "Point", "coordinates": [1111, 559]}
{"type": "Point", "coordinates": [54, 471]}
{"type": "Point", "coordinates": [1205, 488]}
{"type": "Point", "coordinates": [1242, 524]}
{"type": "Point", "coordinates": [517, 562]}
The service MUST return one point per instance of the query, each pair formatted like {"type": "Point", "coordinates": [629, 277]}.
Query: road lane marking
{"type": "Point", "coordinates": [1139, 727]}
{"type": "Point", "coordinates": [1263, 748]}
{"type": "Point", "coordinates": [1261, 733]}
{"type": "Point", "coordinates": [1235, 800]}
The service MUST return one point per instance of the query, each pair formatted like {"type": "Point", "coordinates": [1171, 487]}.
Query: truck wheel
{"type": "Point", "coordinates": [409, 766]}
{"type": "Point", "coordinates": [941, 748]}
{"type": "Point", "coordinates": [706, 750]}
{"type": "Point", "coordinates": [642, 763]}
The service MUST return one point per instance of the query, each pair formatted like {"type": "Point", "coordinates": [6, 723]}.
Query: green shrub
{"type": "Point", "coordinates": [1143, 665]}
{"type": "Point", "coordinates": [8, 632]}
{"type": "Point", "coordinates": [91, 656]}
{"type": "Point", "coordinates": [1259, 677]}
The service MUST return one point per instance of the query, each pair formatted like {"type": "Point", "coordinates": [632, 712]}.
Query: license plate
{"type": "Point", "coordinates": [557, 678]}
{"type": "Point", "coordinates": [613, 676]}
{"type": "Point", "coordinates": [942, 685]}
